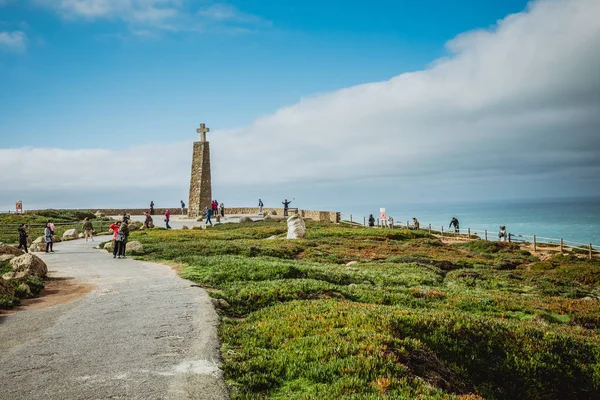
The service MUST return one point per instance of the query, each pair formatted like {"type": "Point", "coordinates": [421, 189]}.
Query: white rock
{"type": "Point", "coordinates": [134, 247]}
{"type": "Point", "coordinates": [70, 234]}
{"type": "Point", "coordinates": [27, 265]}
{"type": "Point", "coordinates": [296, 227]}
{"type": "Point", "coordinates": [351, 263]}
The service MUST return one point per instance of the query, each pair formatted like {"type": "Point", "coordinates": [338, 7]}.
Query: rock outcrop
{"type": "Point", "coordinates": [245, 219]}
{"type": "Point", "coordinates": [296, 227]}
{"type": "Point", "coordinates": [7, 290]}
{"type": "Point", "coordinates": [70, 234]}
{"type": "Point", "coordinates": [12, 250]}
{"type": "Point", "coordinates": [108, 246]}
{"type": "Point", "coordinates": [134, 247]}
{"type": "Point", "coordinates": [25, 266]}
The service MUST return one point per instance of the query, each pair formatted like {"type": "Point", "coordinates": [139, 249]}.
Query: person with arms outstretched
{"type": "Point", "coordinates": [286, 206]}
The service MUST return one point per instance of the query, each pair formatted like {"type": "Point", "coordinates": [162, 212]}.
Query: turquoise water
{"type": "Point", "coordinates": [574, 220]}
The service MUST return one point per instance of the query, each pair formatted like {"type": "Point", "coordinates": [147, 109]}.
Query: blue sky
{"type": "Point", "coordinates": [83, 79]}
{"type": "Point", "coordinates": [329, 102]}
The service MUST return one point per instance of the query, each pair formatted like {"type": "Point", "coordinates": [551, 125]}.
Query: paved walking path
{"type": "Point", "coordinates": [142, 333]}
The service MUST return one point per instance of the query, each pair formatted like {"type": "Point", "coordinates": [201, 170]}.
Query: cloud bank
{"type": "Point", "coordinates": [511, 109]}
{"type": "Point", "coordinates": [13, 41]}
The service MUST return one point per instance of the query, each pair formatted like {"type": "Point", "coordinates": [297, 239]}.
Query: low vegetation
{"type": "Point", "coordinates": [414, 318]}
{"type": "Point", "coordinates": [63, 220]}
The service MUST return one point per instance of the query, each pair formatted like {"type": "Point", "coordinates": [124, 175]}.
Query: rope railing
{"type": "Point", "coordinates": [545, 243]}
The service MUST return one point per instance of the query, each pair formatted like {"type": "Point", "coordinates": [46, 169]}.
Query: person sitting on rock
{"type": "Point", "coordinates": [23, 237]}
{"type": "Point", "coordinates": [148, 221]}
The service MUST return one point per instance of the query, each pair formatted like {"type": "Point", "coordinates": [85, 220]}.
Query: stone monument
{"type": "Point", "coordinates": [200, 184]}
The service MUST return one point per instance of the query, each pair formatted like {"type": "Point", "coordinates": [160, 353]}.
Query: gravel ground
{"type": "Point", "coordinates": [142, 333]}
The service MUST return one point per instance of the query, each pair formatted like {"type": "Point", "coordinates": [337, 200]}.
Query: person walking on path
{"type": "Point", "coordinates": [23, 237]}
{"type": "Point", "coordinates": [151, 207]}
{"type": "Point", "coordinates": [115, 228]}
{"type": "Point", "coordinates": [88, 229]}
{"type": "Point", "coordinates": [208, 213]}
{"type": "Point", "coordinates": [167, 218]}
{"type": "Point", "coordinates": [260, 207]}
{"type": "Point", "coordinates": [286, 206]}
{"type": "Point", "coordinates": [48, 233]}
{"type": "Point", "coordinates": [454, 223]}
{"type": "Point", "coordinates": [182, 207]}
{"type": "Point", "coordinates": [222, 210]}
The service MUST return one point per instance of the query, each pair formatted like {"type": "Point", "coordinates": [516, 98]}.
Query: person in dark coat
{"type": "Point", "coordinates": [371, 220]}
{"type": "Point", "coordinates": [286, 206]}
{"type": "Point", "coordinates": [152, 208]}
{"type": "Point", "coordinates": [23, 237]}
{"type": "Point", "coordinates": [454, 223]}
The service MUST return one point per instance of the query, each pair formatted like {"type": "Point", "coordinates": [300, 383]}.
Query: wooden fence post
{"type": "Point", "coordinates": [485, 234]}
{"type": "Point", "coordinates": [430, 228]}
{"type": "Point", "coordinates": [509, 237]}
{"type": "Point", "coordinates": [561, 246]}
{"type": "Point", "coordinates": [378, 221]}
{"type": "Point", "coordinates": [590, 251]}
{"type": "Point", "coordinates": [442, 231]}
{"type": "Point", "coordinates": [469, 232]}
{"type": "Point", "coordinates": [534, 243]}
{"type": "Point", "coordinates": [365, 221]}
{"type": "Point", "coordinates": [350, 217]}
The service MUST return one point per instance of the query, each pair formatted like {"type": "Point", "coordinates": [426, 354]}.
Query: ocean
{"type": "Point", "coordinates": [573, 220]}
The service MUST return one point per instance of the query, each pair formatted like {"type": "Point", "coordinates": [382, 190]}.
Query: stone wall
{"type": "Point", "coordinates": [321, 216]}
{"type": "Point", "coordinates": [315, 215]}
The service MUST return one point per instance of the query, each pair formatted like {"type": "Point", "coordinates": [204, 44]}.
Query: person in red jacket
{"type": "Point", "coordinates": [115, 228]}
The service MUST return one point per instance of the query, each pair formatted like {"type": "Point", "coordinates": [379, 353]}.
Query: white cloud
{"type": "Point", "coordinates": [514, 108]}
{"type": "Point", "coordinates": [128, 10]}
{"type": "Point", "coordinates": [223, 12]}
{"type": "Point", "coordinates": [13, 41]}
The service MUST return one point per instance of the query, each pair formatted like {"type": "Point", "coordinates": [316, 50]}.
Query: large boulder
{"type": "Point", "coordinates": [296, 227]}
{"type": "Point", "coordinates": [245, 219]}
{"type": "Point", "coordinates": [25, 266]}
{"type": "Point", "coordinates": [70, 234]}
{"type": "Point", "coordinates": [6, 257]}
{"type": "Point", "coordinates": [134, 247]}
{"type": "Point", "coordinates": [109, 246]}
{"type": "Point", "coordinates": [98, 214]}
{"type": "Point", "coordinates": [133, 227]}
{"type": "Point", "coordinates": [40, 239]}
{"type": "Point", "coordinates": [38, 247]}
{"type": "Point", "coordinates": [12, 250]}
{"type": "Point", "coordinates": [7, 290]}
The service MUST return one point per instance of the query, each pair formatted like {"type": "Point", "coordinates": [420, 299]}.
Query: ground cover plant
{"type": "Point", "coordinates": [413, 318]}
{"type": "Point", "coordinates": [63, 220]}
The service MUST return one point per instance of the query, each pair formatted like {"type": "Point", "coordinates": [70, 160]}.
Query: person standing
{"type": "Point", "coordinates": [502, 234]}
{"type": "Point", "coordinates": [371, 220]}
{"type": "Point", "coordinates": [152, 207]}
{"type": "Point", "coordinates": [416, 224]}
{"type": "Point", "coordinates": [88, 229]}
{"type": "Point", "coordinates": [182, 208]}
{"type": "Point", "coordinates": [213, 207]}
{"type": "Point", "coordinates": [260, 207]}
{"type": "Point", "coordinates": [122, 236]}
{"type": "Point", "coordinates": [115, 228]}
{"type": "Point", "coordinates": [48, 233]}
{"type": "Point", "coordinates": [286, 206]}
{"type": "Point", "coordinates": [454, 223]}
{"type": "Point", "coordinates": [167, 218]}
{"type": "Point", "coordinates": [208, 213]}
{"type": "Point", "coordinates": [23, 237]}
{"type": "Point", "coordinates": [391, 222]}
{"type": "Point", "coordinates": [222, 210]}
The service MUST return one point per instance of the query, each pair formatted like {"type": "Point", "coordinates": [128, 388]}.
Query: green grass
{"type": "Point", "coordinates": [9, 223]}
{"type": "Point", "coordinates": [413, 318]}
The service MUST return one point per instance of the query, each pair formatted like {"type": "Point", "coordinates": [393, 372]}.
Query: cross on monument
{"type": "Point", "coordinates": [202, 131]}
